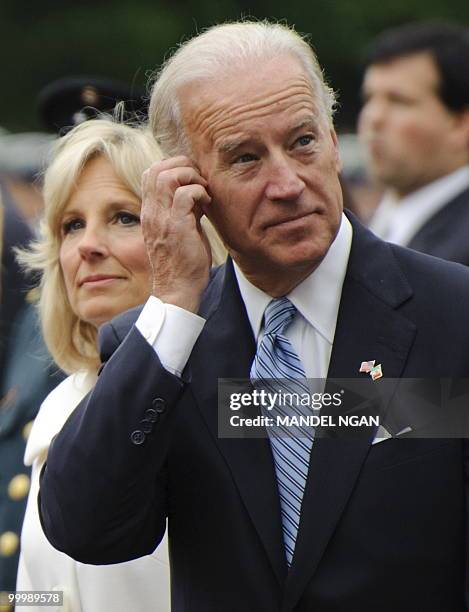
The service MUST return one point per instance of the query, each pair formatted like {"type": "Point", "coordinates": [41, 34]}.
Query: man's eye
{"type": "Point", "coordinates": [126, 218]}
{"type": "Point", "coordinates": [72, 225]}
{"type": "Point", "coordinates": [304, 141]}
{"type": "Point", "coordinates": [245, 158]}
{"type": "Point", "coordinates": [401, 100]}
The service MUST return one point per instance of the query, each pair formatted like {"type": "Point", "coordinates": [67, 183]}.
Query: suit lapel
{"type": "Point", "coordinates": [227, 335]}
{"type": "Point", "coordinates": [368, 327]}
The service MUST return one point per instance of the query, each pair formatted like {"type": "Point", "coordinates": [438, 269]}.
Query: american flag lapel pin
{"type": "Point", "coordinates": [367, 366]}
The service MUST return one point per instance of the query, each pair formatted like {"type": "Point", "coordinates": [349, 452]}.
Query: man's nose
{"type": "Point", "coordinates": [93, 243]}
{"type": "Point", "coordinates": [284, 183]}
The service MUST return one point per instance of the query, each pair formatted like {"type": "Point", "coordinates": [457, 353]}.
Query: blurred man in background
{"type": "Point", "coordinates": [415, 124]}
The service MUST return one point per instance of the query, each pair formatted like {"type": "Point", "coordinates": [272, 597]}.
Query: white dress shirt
{"type": "Point", "coordinates": [173, 331]}
{"type": "Point", "coordinates": [398, 220]}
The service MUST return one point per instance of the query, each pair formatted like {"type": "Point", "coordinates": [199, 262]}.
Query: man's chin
{"type": "Point", "coordinates": [283, 256]}
{"type": "Point", "coordinates": [296, 259]}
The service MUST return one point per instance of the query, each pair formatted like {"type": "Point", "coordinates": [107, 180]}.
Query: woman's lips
{"type": "Point", "coordinates": [99, 280]}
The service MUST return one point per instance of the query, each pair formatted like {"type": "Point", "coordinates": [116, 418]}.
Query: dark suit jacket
{"type": "Point", "coordinates": [383, 527]}
{"type": "Point", "coordinates": [446, 234]}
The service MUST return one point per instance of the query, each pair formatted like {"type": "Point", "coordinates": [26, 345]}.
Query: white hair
{"type": "Point", "coordinates": [207, 55]}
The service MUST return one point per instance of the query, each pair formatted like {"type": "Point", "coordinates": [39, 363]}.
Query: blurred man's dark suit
{"type": "Point", "coordinates": [384, 526]}
{"type": "Point", "coordinates": [446, 233]}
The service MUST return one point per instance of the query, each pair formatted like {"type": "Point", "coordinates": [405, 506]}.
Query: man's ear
{"type": "Point", "coordinates": [335, 141]}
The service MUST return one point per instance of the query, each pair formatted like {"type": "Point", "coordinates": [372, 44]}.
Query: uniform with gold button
{"type": "Point", "coordinates": [26, 380]}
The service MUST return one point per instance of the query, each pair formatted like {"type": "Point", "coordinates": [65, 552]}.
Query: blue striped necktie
{"type": "Point", "coordinates": [277, 367]}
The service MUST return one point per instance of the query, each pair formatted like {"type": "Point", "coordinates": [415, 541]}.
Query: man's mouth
{"type": "Point", "coordinates": [289, 221]}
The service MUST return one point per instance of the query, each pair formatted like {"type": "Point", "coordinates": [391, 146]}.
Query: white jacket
{"type": "Point", "coordinates": [141, 585]}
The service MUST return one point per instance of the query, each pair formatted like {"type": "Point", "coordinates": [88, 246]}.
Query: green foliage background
{"type": "Point", "coordinates": [43, 41]}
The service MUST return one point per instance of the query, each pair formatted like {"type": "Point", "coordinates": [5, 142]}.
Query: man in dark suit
{"type": "Point", "coordinates": [415, 125]}
{"type": "Point", "coordinates": [371, 526]}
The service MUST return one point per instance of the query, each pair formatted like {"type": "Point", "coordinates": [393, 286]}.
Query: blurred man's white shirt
{"type": "Point", "coordinates": [398, 220]}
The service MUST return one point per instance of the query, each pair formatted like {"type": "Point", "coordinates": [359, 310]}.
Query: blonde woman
{"type": "Point", "coordinates": [93, 266]}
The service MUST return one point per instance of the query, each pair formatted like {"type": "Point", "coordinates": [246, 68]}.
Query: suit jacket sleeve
{"type": "Point", "coordinates": [105, 501]}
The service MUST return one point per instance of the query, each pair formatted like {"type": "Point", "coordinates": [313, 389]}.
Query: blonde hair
{"type": "Point", "coordinates": [209, 54]}
{"type": "Point", "coordinates": [71, 341]}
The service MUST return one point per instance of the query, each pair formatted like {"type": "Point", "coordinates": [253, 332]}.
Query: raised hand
{"type": "Point", "coordinates": [174, 198]}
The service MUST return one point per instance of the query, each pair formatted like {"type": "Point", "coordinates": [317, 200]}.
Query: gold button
{"type": "Point", "coordinates": [27, 430]}
{"type": "Point", "coordinates": [18, 487]}
{"type": "Point", "coordinates": [5, 605]}
{"type": "Point", "coordinates": [9, 542]}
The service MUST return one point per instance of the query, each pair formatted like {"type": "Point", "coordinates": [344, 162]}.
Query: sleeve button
{"type": "Point", "coordinates": [138, 437]}
{"type": "Point", "coordinates": [159, 405]}
{"type": "Point", "coordinates": [151, 415]}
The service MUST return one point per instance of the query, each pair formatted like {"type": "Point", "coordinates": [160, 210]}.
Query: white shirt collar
{"type": "Point", "coordinates": [317, 298]}
{"type": "Point", "coordinates": [399, 220]}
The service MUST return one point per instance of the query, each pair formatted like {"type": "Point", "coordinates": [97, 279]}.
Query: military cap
{"type": "Point", "coordinates": [69, 101]}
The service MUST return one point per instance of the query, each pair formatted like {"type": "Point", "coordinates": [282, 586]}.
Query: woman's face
{"type": "Point", "coordinates": [102, 255]}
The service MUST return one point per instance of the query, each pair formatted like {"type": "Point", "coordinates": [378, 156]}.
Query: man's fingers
{"type": "Point", "coordinates": [174, 197]}
{"type": "Point", "coordinates": [189, 199]}
{"type": "Point", "coordinates": [159, 187]}
{"type": "Point", "coordinates": [176, 177]}
{"type": "Point", "coordinates": [179, 161]}
{"type": "Point", "coordinates": [173, 163]}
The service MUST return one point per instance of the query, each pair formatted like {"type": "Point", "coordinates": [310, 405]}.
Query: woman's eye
{"type": "Point", "coordinates": [72, 226]}
{"type": "Point", "coordinates": [126, 218]}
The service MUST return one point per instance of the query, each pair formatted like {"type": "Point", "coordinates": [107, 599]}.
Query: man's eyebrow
{"type": "Point", "coordinates": [310, 122]}
{"type": "Point", "coordinates": [227, 147]}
